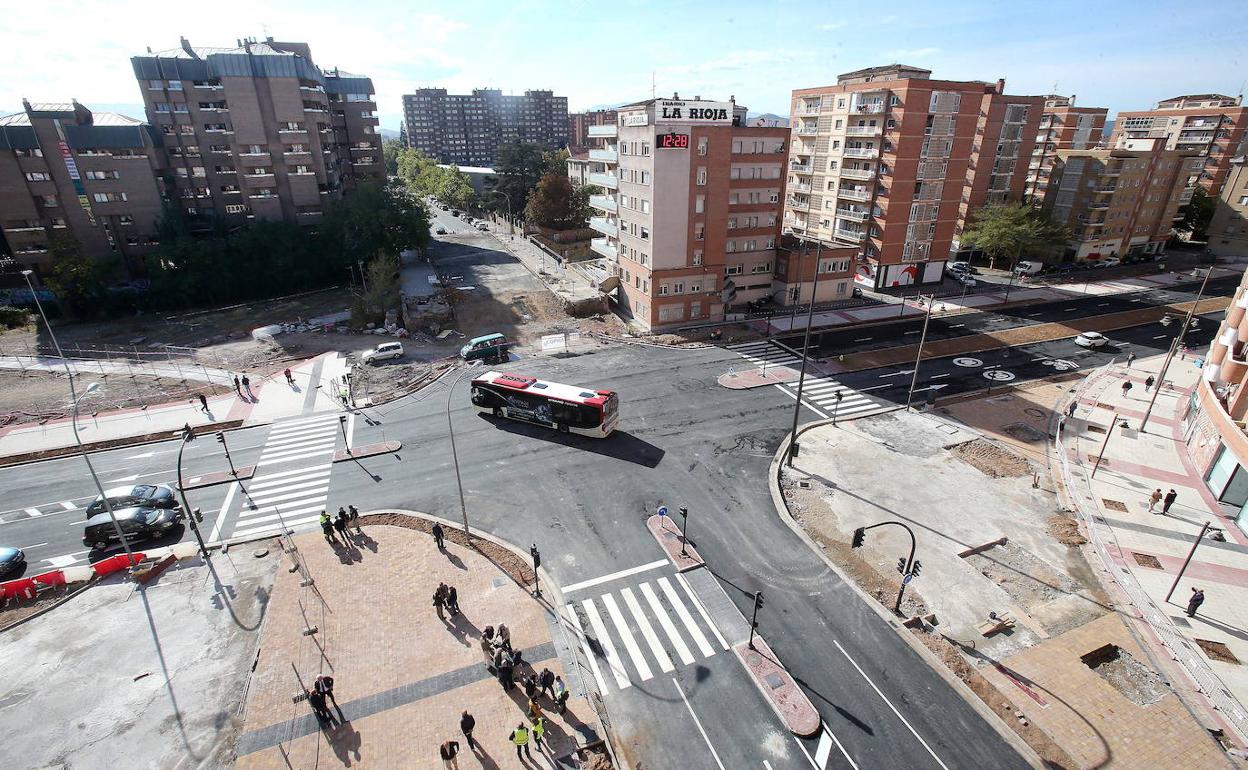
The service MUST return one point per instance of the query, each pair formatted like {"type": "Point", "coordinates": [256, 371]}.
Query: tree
{"type": "Point", "coordinates": [1196, 215]}
{"type": "Point", "coordinates": [456, 190]}
{"type": "Point", "coordinates": [76, 279]}
{"type": "Point", "coordinates": [518, 167]}
{"type": "Point", "coordinates": [374, 218]}
{"type": "Point", "coordinates": [1013, 230]}
{"type": "Point", "coordinates": [553, 203]}
{"type": "Point", "coordinates": [381, 290]}
{"type": "Point", "coordinates": [390, 149]}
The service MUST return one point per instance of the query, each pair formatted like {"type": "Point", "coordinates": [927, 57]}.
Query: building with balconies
{"type": "Point", "coordinates": [467, 129]}
{"type": "Point", "coordinates": [1063, 126]}
{"type": "Point", "coordinates": [585, 127]}
{"type": "Point", "coordinates": [1212, 125]}
{"type": "Point", "coordinates": [89, 176]}
{"type": "Point", "coordinates": [1120, 202]}
{"type": "Point", "coordinates": [294, 135]}
{"type": "Point", "coordinates": [690, 210]}
{"type": "Point", "coordinates": [893, 163]}
{"type": "Point", "coordinates": [1228, 230]}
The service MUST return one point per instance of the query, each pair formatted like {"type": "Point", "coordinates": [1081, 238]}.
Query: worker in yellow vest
{"type": "Point", "coordinates": [520, 737]}
{"type": "Point", "coordinates": [539, 731]}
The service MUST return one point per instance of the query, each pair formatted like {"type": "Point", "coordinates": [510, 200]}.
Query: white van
{"type": "Point", "coordinates": [1027, 267]}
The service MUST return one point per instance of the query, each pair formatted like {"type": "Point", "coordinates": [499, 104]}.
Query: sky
{"type": "Point", "coordinates": [1114, 54]}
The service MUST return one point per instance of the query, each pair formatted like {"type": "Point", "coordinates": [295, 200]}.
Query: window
{"type": "Point", "coordinates": [763, 268]}
{"type": "Point", "coordinates": [302, 170]}
{"type": "Point", "coordinates": [697, 258]}
{"type": "Point", "coordinates": [645, 233]}
{"type": "Point", "coordinates": [703, 145]}
{"type": "Point", "coordinates": [645, 206]}
{"type": "Point", "coordinates": [730, 246]}
{"type": "Point", "coordinates": [155, 85]}
{"type": "Point", "coordinates": [38, 176]}
{"type": "Point", "coordinates": [695, 286]}
{"type": "Point", "coordinates": [699, 204]}
{"type": "Point", "coordinates": [175, 85]}
{"type": "Point", "coordinates": [49, 201]}
{"type": "Point", "coordinates": [678, 287]}
{"type": "Point", "coordinates": [702, 176]}
{"type": "Point", "coordinates": [235, 208]}
{"type": "Point", "coordinates": [732, 270]}
{"type": "Point", "coordinates": [698, 228]}
{"type": "Point", "coordinates": [645, 148]}
{"type": "Point", "coordinates": [663, 291]}
{"type": "Point", "coordinates": [645, 177]}
{"type": "Point", "coordinates": [161, 107]}
{"type": "Point", "coordinates": [111, 197]}
{"type": "Point", "coordinates": [34, 152]}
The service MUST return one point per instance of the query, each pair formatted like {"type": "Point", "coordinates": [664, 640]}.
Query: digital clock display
{"type": "Point", "coordinates": [673, 141]}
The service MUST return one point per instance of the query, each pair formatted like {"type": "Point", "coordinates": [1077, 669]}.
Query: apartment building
{"type": "Point", "coordinates": [893, 162]}
{"type": "Point", "coordinates": [467, 129]}
{"type": "Point", "coordinates": [692, 208]}
{"type": "Point", "coordinates": [1120, 202]}
{"type": "Point", "coordinates": [1063, 126]}
{"type": "Point", "coordinates": [258, 131]}
{"type": "Point", "coordinates": [65, 170]}
{"type": "Point", "coordinates": [578, 127]}
{"type": "Point", "coordinates": [1211, 124]}
{"type": "Point", "coordinates": [1228, 230]}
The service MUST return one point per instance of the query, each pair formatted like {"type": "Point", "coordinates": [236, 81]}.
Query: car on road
{"type": "Point", "coordinates": [440, 230]}
{"type": "Point", "coordinates": [483, 226]}
{"type": "Point", "coordinates": [146, 495]}
{"type": "Point", "coordinates": [1110, 262]}
{"type": "Point", "coordinates": [491, 348]}
{"type": "Point", "coordinates": [963, 267]}
{"type": "Point", "coordinates": [1029, 267]}
{"type": "Point", "coordinates": [1091, 340]}
{"type": "Point", "coordinates": [11, 559]}
{"type": "Point", "coordinates": [965, 279]}
{"type": "Point", "coordinates": [136, 523]}
{"type": "Point", "coordinates": [386, 351]}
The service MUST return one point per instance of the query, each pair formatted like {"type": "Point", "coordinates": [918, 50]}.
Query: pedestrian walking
{"type": "Point", "coordinates": [438, 603]}
{"type": "Point", "coordinates": [539, 731]}
{"type": "Point", "coordinates": [1126, 388]}
{"type": "Point", "coordinates": [1171, 496]}
{"type": "Point", "coordinates": [452, 600]}
{"type": "Point", "coordinates": [467, 723]}
{"type": "Point", "coordinates": [1183, 352]}
{"type": "Point", "coordinates": [1130, 359]}
{"type": "Point", "coordinates": [517, 657]}
{"type": "Point", "coordinates": [317, 701]}
{"type": "Point", "coordinates": [535, 710]}
{"type": "Point", "coordinates": [486, 652]}
{"type": "Point", "coordinates": [500, 658]}
{"type": "Point", "coordinates": [520, 737]}
{"type": "Point", "coordinates": [340, 524]}
{"type": "Point", "coordinates": [203, 403]}
{"type": "Point", "coordinates": [354, 516]}
{"type": "Point", "coordinates": [530, 686]}
{"type": "Point", "coordinates": [487, 635]}
{"type": "Point", "coordinates": [546, 681]}
{"type": "Point", "coordinates": [327, 526]}
{"type": "Point", "coordinates": [324, 685]}
{"type": "Point", "coordinates": [505, 673]}
{"type": "Point", "coordinates": [1148, 383]}
{"type": "Point", "coordinates": [448, 751]}
{"type": "Point", "coordinates": [439, 536]}
{"type": "Point", "coordinates": [1193, 604]}
{"type": "Point", "coordinates": [290, 380]}
{"type": "Point", "coordinates": [237, 387]}
{"type": "Point", "coordinates": [1153, 499]}
{"type": "Point", "coordinates": [247, 386]}
{"type": "Point", "coordinates": [1070, 410]}
{"type": "Point", "coordinates": [561, 694]}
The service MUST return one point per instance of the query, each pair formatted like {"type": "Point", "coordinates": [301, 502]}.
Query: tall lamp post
{"type": "Point", "coordinates": [918, 357]}
{"type": "Point", "coordinates": [1187, 323]}
{"type": "Point", "coordinates": [450, 428]}
{"type": "Point", "coordinates": [187, 437]}
{"type": "Point", "coordinates": [801, 378]}
{"type": "Point", "coordinates": [73, 422]}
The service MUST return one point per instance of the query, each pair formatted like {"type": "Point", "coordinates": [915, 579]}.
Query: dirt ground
{"type": "Point", "coordinates": [39, 396]}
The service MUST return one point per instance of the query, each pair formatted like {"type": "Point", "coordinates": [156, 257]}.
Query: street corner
{"type": "Point", "coordinates": [756, 378]}
{"type": "Point", "coordinates": [678, 548]}
{"type": "Point", "coordinates": [778, 687]}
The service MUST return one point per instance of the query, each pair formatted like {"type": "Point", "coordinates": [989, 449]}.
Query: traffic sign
{"type": "Point", "coordinates": [662, 510]}
{"type": "Point", "coordinates": [906, 580]}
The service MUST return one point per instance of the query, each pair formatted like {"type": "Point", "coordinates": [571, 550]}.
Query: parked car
{"type": "Point", "coordinates": [963, 267]}
{"type": "Point", "coordinates": [11, 559]}
{"type": "Point", "coordinates": [137, 523]}
{"type": "Point", "coordinates": [965, 279]}
{"type": "Point", "coordinates": [147, 495]}
{"type": "Point", "coordinates": [440, 230]}
{"type": "Point", "coordinates": [1091, 340]}
{"type": "Point", "coordinates": [386, 351]}
{"type": "Point", "coordinates": [483, 227]}
{"type": "Point", "coordinates": [1111, 262]}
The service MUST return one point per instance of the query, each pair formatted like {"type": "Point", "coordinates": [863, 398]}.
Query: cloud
{"type": "Point", "coordinates": [912, 53]}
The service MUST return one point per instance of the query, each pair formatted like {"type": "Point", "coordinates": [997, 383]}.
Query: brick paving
{"type": "Point", "coordinates": [402, 676]}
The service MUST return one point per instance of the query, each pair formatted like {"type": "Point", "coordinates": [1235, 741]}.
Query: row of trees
{"type": "Point", "coordinates": [423, 176]}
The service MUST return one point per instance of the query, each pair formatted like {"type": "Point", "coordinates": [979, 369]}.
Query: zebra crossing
{"type": "Point", "coordinates": [631, 632]}
{"type": "Point", "coordinates": [818, 393]}
{"type": "Point", "coordinates": [280, 495]}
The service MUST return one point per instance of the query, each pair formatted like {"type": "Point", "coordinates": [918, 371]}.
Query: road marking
{"type": "Point", "coordinates": [608, 647]}
{"type": "Point", "coordinates": [123, 480]}
{"type": "Point", "coordinates": [350, 430]}
{"type": "Point", "coordinates": [878, 387]}
{"type": "Point", "coordinates": [225, 509]}
{"type": "Point", "coordinates": [1160, 337]}
{"type": "Point", "coordinates": [24, 547]}
{"type": "Point", "coordinates": [268, 479]}
{"type": "Point", "coordinates": [280, 520]}
{"type": "Point", "coordinates": [956, 326]}
{"type": "Point", "coordinates": [319, 446]}
{"type": "Point", "coordinates": [805, 403]}
{"type": "Point", "coordinates": [626, 636]}
{"type": "Point", "coordinates": [33, 512]}
{"type": "Point", "coordinates": [318, 453]}
{"type": "Point", "coordinates": [864, 339]}
{"type": "Point", "coordinates": [614, 575]}
{"type": "Point", "coordinates": [298, 440]}
{"type": "Point", "coordinates": [696, 633]}
{"type": "Point", "coordinates": [1070, 310]}
{"type": "Point", "coordinates": [1103, 304]}
{"type": "Point", "coordinates": [281, 495]}
{"type": "Point", "coordinates": [139, 457]}
{"type": "Point", "coordinates": [67, 505]}
{"type": "Point", "coordinates": [698, 722]}
{"type": "Point", "coordinates": [60, 562]}
{"type": "Point", "coordinates": [938, 376]}
{"type": "Point", "coordinates": [697, 603]}
{"type": "Point", "coordinates": [295, 484]}
{"type": "Point", "coordinates": [767, 764]}
{"type": "Point", "coordinates": [647, 630]}
{"type": "Point", "coordinates": [682, 649]}
{"type": "Point", "coordinates": [570, 613]}
{"type": "Point", "coordinates": [824, 750]}
{"type": "Point", "coordinates": [897, 374]}
{"type": "Point", "coordinates": [890, 705]}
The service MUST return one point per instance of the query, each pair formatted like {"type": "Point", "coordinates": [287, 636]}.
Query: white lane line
{"type": "Point", "coordinates": [698, 722]}
{"type": "Point", "coordinates": [766, 764]}
{"type": "Point", "coordinates": [1160, 337]}
{"type": "Point", "coordinates": [268, 478]}
{"type": "Point", "coordinates": [956, 326]}
{"type": "Point", "coordinates": [24, 547]}
{"type": "Point", "coordinates": [67, 505]}
{"type": "Point", "coordinates": [938, 376]}
{"type": "Point", "coordinates": [221, 514]}
{"type": "Point", "coordinates": [696, 633]}
{"type": "Point", "coordinates": [647, 630]}
{"type": "Point", "coordinates": [697, 603]}
{"type": "Point", "coordinates": [682, 649]}
{"type": "Point", "coordinates": [33, 512]}
{"type": "Point", "coordinates": [864, 339]}
{"type": "Point", "coordinates": [570, 613]}
{"type": "Point", "coordinates": [877, 387]}
{"type": "Point", "coordinates": [626, 636]}
{"type": "Point", "coordinates": [608, 647]}
{"type": "Point", "coordinates": [615, 575]}
{"type": "Point", "coordinates": [890, 705]}
{"type": "Point", "coordinates": [824, 751]}
{"type": "Point", "coordinates": [1070, 310]}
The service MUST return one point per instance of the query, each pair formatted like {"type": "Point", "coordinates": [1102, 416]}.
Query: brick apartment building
{"type": "Point", "coordinates": [692, 209]}
{"type": "Point", "coordinates": [1210, 124]}
{"type": "Point", "coordinates": [1121, 201]}
{"type": "Point", "coordinates": [892, 162]}
{"type": "Point", "coordinates": [258, 131]}
{"type": "Point", "coordinates": [578, 127]}
{"type": "Point", "coordinates": [467, 129]}
{"type": "Point", "coordinates": [1228, 230]}
{"type": "Point", "coordinates": [88, 175]}
{"type": "Point", "coordinates": [1063, 126]}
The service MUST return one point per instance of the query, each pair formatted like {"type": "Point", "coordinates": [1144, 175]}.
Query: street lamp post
{"type": "Point", "coordinates": [226, 447]}
{"type": "Point", "coordinates": [450, 428]}
{"type": "Point", "coordinates": [801, 378]}
{"type": "Point", "coordinates": [187, 437]}
{"type": "Point", "coordinates": [918, 357]}
{"type": "Point", "coordinates": [1187, 322]}
{"type": "Point", "coordinates": [342, 423]}
{"type": "Point", "coordinates": [73, 422]}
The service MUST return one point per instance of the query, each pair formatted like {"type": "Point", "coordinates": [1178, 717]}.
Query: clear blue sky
{"type": "Point", "coordinates": [1115, 54]}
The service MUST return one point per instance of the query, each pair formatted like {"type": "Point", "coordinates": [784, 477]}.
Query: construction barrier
{"type": "Point", "coordinates": [114, 563]}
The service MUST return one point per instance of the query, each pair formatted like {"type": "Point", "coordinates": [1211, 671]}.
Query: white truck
{"type": "Point", "coordinates": [1029, 267]}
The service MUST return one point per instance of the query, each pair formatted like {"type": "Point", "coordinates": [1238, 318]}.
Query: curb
{"type": "Point", "coordinates": [27, 458]}
{"type": "Point", "coordinates": [989, 716]}
{"type": "Point", "coordinates": [84, 585]}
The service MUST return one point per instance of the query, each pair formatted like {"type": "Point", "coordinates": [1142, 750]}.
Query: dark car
{"type": "Point", "coordinates": [137, 523]}
{"type": "Point", "coordinates": [11, 559]}
{"type": "Point", "coordinates": [147, 495]}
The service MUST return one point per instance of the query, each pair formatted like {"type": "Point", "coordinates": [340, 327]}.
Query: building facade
{"type": "Point", "coordinates": [467, 129]}
{"type": "Point", "coordinates": [1120, 202]}
{"type": "Point", "coordinates": [893, 163]}
{"type": "Point", "coordinates": [578, 127]}
{"type": "Point", "coordinates": [1210, 124]}
{"type": "Point", "coordinates": [258, 131]}
{"type": "Point", "coordinates": [1063, 126]}
{"type": "Point", "coordinates": [65, 170]}
{"type": "Point", "coordinates": [1228, 230]}
{"type": "Point", "coordinates": [691, 212]}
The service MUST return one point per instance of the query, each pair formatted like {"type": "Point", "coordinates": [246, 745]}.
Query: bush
{"type": "Point", "coordinates": [14, 317]}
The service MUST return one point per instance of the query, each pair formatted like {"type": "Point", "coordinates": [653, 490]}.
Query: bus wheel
{"type": "Point", "coordinates": [563, 428]}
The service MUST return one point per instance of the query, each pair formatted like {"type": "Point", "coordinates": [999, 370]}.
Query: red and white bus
{"type": "Point", "coordinates": [566, 408]}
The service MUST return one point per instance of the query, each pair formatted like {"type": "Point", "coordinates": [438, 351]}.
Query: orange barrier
{"type": "Point", "coordinates": [114, 563]}
{"type": "Point", "coordinates": [53, 578]}
{"type": "Point", "coordinates": [22, 588]}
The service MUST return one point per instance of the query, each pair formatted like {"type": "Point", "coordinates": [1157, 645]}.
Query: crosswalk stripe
{"type": "Point", "coordinates": [67, 505]}
{"type": "Point", "coordinates": [297, 440]}
{"type": "Point", "coordinates": [295, 427]}
{"type": "Point", "coordinates": [320, 430]}
{"type": "Point", "coordinates": [280, 514]}
{"type": "Point", "coordinates": [270, 479]}
{"type": "Point", "coordinates": [694, 632]}
{"type": "Point", "coordinates": [824, 750]}
{"type": "Point", "coordinates": [320, 446]}
{"type": "Point", "coordinates": [693, 599]}
{"type": "Point", "coordinates": [315, 503]}
{"type": "Point", "coordinates": [276, 525]}
{"type": "Point", "coordinates": [291, 484]}
{"type": "Point", "coordinates": [33, 512]}
{"type": "Point", "coordinates": [626, 636]}
{"type": "Point", "coordinates": [682, 649]}
{"type": "Point", "coordinates": [278, 461]}
{"type": "Point", "coordinates": [569, 611]}
{"type": "Point", "coordinates": [308, 419]}
{"type": "Point", "coordinates": [647, 631]}
{"type": "Point", "coordinates": [277, 496]}
{"type": "Point", "coordinates": [608, 647]}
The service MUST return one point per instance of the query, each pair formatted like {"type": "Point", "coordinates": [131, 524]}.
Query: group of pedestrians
{"type": "Point", "coordinates": [335, 527]}
{"type": "Point", "coordinates": [446, 599]}
{"type": "Point", "coordinates": [242, 386]}
{"type": "Point", "coordinates": [319, 697]}
{"type": "Point", "coordinates": [1166, 501]}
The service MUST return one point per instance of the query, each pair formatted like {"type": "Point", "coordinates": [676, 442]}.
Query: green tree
{"type": "Point", "coordinates": [1196, 215]}
{"type": "Point", "coordinates": [76, 279]}
{"type": "Point", "coordinates": [390, 149]}
{"type": "Point", "coordinates": [518, 167]}
{"type": "Point", "coordinates": [1013, 230]}
{"type": "Point", "coordinates": [380, 292]}
{"type": "Point", "coordinates": [456, 190]}
{"type": "Point", "coordinates": [375, 218]}
{"type": "Point", "coordinates": [553, 203]}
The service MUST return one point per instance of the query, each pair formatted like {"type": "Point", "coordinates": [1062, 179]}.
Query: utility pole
{"type": "Point", "coordinates": [1187, 322]}
{"type": "Point", "coordinates": [537, 562]}
{"type": "Point", "coordinates": [1113, 423]}
{"type": "Point", "coordinates": [191, 516]}
{"type": "Point", "coordinates": [914, 377]}
{"type": "Point", "coordinates": [801, 378]}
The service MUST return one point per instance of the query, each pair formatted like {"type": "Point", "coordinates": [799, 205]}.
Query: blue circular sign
{"type": "Point", "coordinates": [662, 510]}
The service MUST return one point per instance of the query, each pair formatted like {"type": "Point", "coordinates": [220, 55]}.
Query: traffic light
{"type": "Point", "coordinates": [839, 395]}
{"type": "Point", "coordinates": [917, 568]}
{"type": "Point", "coordinates": [199, 515]}
{"type": "Point", "coordinates": [901, 565]}
{"type": "Point", "coordinates": [537, 556]}
{"type": "Point", "coordinates": [684, 512]}
{"type": "Point", "coordinates": [221, 438]}
{"type": "Point", "coordinates": [758, 604]}
{"type": "Point", "coordinates": [860, 537]}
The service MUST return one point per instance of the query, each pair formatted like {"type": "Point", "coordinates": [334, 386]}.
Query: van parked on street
{"type": "Point", "coordinates": [491, 348]}
{"type": "Point", "coordinates": [1029, 267]}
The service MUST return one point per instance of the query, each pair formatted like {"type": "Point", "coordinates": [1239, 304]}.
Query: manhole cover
{"type": "Point", "coordinates": [804, 484]}
{"type": "Point", "coordinates": [967, 362]}
{"type": "Point", "coordinates": [260, 554]}
{"type": "Point", "coordinates": [1217, 651]}
{"type": "Point", "coordinates": [1114, 505]}
{"type": "Point", "coordinates": [997, 375]}
{"type": "Point", "coordinates": [1095, 429]}
{"type": "Point", "coordinates": [774, 681]}
{"type": "Point", "coordinates": [1145, 560]}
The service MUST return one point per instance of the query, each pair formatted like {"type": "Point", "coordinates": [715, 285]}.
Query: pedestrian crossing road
{"type": "Point", "coordinates": [291, 483]}
{"type": "Point", "coordinates": [631, 632]}
{"type": "Point", "coordinates": [818, 392]}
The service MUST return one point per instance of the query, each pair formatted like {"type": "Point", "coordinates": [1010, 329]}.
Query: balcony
{"type": "Point", "coordinates": [850, 193]}
{"type": "Point", "coordinates": [871, 108]}
{"type": "Point", "coordinates": [1105, 189]}
{"type": "Point", "coordinates": [864, 174]}
{"type": "Point", "coordinates": [797, 205]}
{"type": "Point", "coordinates": [604, 226]}
{"type": "Point", "coordinates": [799, 188]}
{"type": "Point", "coordinates": [852, 236]}
{"type": "Point", "coordinates": [807, 130]}
{"type": "Point", "coordinates": [609, 181]}
{"type": "Point", "coordinates": [603, 131]}
{"type": "Point", "coordinates": [864, 130]}
{"type": "Point", "coordinates": [604, 156]}
{"type": "Point", "coordinates": [604, 247]}
{"type": "Point", "coordinates": [1112, 171]}
{"type": "Point", "coordinates": [801, 168]}
{"type": "Point", "coordinates": [1098, 205]}
{"type": "Point", "coordinates": [604, 202]}
{"type": "Point", "coordinates": [853, 216]}
{"type": "Point", "coordinates": [862, 152]}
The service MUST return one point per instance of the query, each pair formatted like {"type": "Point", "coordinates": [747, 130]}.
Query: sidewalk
{"type": "Point", "coordinates": [402, 675]}
{"type": "Point", "coordinates": [1143, 551]}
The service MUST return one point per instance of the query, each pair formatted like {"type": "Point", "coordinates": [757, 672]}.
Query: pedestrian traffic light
{"type": "Point", "coordinates": [901, 565]}
{"type": "Point", "coordinates": [758, 605]}
{"type": "Point", "coordinates": [916, 568]}
{"type": "Point", "coordinates": [860, 537]}
{"type": "Point", "coordinates": [537, 556]}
